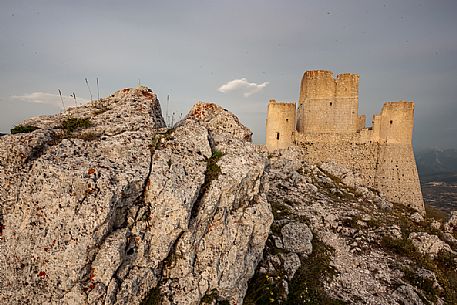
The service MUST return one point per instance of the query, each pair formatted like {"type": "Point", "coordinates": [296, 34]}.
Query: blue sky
{"type": "Point", "coordinates": [189, 49]}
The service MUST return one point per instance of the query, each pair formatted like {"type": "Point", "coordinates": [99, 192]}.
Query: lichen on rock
{"type": "Point", "coordinates": [112, 219]}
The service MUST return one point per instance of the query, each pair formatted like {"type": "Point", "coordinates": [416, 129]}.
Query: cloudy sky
{"type": "Point", "coordinates": [238, 54]}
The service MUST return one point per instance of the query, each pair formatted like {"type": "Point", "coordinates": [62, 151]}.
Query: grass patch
{"type": "Point", "coordinates": [435, 213]}
{"type": "Point", "coordinates": [70, 127]}
{"type": "Point", "coordinates": [401, 246]}
{"type": "Point", "coordinates": [307, 286]}
{"type": "Point", "coordinates": [443, 266]}
{"type": "Point", "coordinates": [23, 129]}
{"type": "Point", "coordinates": [73, 124]}
{"type": "Point", "coordinates": [262, 290]}
{"type": "Point", "coordinates": [212, 169]}
{"type": "Point", "coordinates": [424, 284]}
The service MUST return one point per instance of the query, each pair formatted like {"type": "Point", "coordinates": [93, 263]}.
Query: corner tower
{"type": "Point", "coordinates": [396, 123]}
{"type": "Point", "coordinates": [328, 105]}
{"type": "Point", "coordinates": [280, 125]}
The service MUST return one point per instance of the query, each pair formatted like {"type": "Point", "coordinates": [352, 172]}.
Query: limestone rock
{"type": "Point", "coordinates": [408, 295]}
{"type": "Point", "coordinates": [428, 244]}
{"type": "Point", "coordinates": [296, 237]}
{"type": "Point", "coordinates": [291, 263]}
{"type": "Point", "coordinates": [360, 247]}
{"type": "Point", "coordinates": [116, 209]}
{"type": "Point", "coordinates": [218, 120]}
{"type": "Point", "coordinates": [451, 224]}
{"type": "Point", "coordinates": [416, 217]}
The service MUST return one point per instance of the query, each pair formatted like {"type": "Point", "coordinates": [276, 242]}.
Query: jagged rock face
{"type": "Point", "coordinates": [124, 211]}
{"type": "Point", "coordinates": [218, 122]}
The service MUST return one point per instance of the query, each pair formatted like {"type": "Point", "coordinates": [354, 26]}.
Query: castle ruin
{"type": "Point", "coordinates": [328, 127]}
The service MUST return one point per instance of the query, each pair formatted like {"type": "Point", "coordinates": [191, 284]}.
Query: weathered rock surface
{"type": "Point", "coordinates": [120, 210]}
{"type": "Point", "coordinates": [103, 204]}
{"type": "Point", "coordinates": [428, 244]}
{"type": "Point", "coordinates": [451, 225]}
{"type": "Point", "coordinates": [364, 249]}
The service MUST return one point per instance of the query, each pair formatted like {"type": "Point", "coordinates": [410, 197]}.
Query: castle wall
{"type": "Point", "coordinates": [280, 128]}
{"type": "Point", "coordinates": [328, 105]}
{"type": "Point", "coordinates": [396, 175]}
{"type": "Point", "coordinates": [389, 168]}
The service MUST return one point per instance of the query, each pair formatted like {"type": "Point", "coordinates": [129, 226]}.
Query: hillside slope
{"type": "Point", "coordinates": [103, 204]}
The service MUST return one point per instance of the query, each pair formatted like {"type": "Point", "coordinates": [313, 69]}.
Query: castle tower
{"type": "Point", "coordinates": [328, 105]}
{"type": "Point", "coordinates": [396, 173]}
{"type": "Point", "coordinates": [397, 122]}
{"type": "Point", "coordinates": [280, 125]}
{"type": "Point", "coordinates": [330, 129]}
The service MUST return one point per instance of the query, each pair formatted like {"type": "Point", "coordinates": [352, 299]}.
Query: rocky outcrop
{"type": "Point", "coordinates": [451, 225]}
{"type": "Point", "coordinates": [365, 250]}
{"type": "Point", "coordinates": [104, 205]}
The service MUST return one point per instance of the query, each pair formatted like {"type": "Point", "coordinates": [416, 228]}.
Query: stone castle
{"type": "Point", "coordinates": [328, 127]}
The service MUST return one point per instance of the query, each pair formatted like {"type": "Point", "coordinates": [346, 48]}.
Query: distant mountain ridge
{"type": "Point", "coordinates": [438, 174]}
{"type": "Point", "coordinates": [437, 164]}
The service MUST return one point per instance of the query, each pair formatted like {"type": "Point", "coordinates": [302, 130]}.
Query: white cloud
{"type": "Point", "coordinates": [242, 84]}
{"type": "Point", "coordinates": [49, 98]}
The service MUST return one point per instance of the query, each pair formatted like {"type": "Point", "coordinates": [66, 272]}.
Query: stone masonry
{"type": "Point", "coordinates": [327, 126]}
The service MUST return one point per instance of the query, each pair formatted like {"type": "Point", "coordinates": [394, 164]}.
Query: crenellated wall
{"type": "Point", "coordinates": [328, 105]}
{"type": "Point", "coordinates": [329, 128]}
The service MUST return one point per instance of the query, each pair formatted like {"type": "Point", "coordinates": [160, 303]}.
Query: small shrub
{"type": "Point", "coordinates": [400, 246]}
{"type": "Point", "coordinates": [217, 154]}
{"type": "Point", "coordinates": [23, 129]}
{"type": "Point", "coordinates": [72, 124]}
{"type": "Point", "coordinates": [425, 284]}
{"type": "Point", "coordinates": [435, 213]}
{"type": "Point", "coordinates": [213, 170]}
